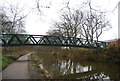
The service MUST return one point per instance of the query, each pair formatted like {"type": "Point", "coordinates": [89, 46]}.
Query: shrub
{"type": "Point", "coordinates": [113, 49]}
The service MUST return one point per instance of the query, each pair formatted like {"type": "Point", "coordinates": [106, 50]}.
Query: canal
{"type": "Point", "coordinates": [61, 68]}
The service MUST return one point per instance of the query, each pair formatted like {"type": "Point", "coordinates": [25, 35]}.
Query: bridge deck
{"type": "Point", "coordinates": [44, 40]}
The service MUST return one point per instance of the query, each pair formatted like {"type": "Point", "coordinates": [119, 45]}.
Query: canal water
{"type": "Point", "coordinates": [61, 68]}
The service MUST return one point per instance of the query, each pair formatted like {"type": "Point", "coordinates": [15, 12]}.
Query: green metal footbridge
{"type": "Point", "coordinates": [45, 40]}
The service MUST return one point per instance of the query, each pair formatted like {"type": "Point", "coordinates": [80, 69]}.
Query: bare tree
{"type": "Point", "coordinates": [12, 19]}
{"type": "Point", "coordinates": [17, 18]}
{"type": "Point", "coordinates": [40, 6]}
{"type": "Point", "coordinates": [5, 23]}
{"type": "Point", "coordinates": [70, 20]}
{"type": "Point", "coordinates": [93, 24]}
{"type": "Point", "coordinates": [88, 24]}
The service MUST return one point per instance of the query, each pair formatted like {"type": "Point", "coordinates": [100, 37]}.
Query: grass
{"type": "Point", "coordinates": [7, 59]}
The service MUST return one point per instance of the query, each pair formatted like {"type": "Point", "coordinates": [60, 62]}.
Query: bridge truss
{"type": "Point", "coordinates": [44, 40]}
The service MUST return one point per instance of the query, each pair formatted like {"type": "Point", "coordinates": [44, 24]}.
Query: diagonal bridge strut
{"type": "Point", "coordinates": [45, 40]}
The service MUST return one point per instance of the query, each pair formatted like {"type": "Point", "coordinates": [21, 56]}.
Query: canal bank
{"type": "Point", "coordinates": [66, 68]}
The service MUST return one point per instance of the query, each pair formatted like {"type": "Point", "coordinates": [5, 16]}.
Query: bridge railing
{"type": "Point", "coordinates": [45, 40]}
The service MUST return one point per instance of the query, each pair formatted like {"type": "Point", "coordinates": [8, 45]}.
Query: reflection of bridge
{"type": "Point", "coordinates": [44, 40]}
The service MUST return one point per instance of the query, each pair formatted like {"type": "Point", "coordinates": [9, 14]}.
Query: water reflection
{"type": "Point", "coordinates": [69, 69]}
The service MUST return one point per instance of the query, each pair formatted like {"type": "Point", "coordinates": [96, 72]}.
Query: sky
{"type": "Point", "coordinates": [40, 24]}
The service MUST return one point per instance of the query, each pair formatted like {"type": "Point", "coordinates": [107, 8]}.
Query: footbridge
{"type": "Point", "coordinates": [45, 40]}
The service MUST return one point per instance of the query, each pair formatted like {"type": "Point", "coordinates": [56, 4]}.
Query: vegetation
{"type": "Point", "coordinates": [35, 61]}
{"type": "Point", "coordinates": [110, 54]}
{"type": "Point", "coordinates": [12, 19]}
{"type": "Point", "coordinates": [7, 59]}
{"type": "Point", "coordinates": [87, 24]}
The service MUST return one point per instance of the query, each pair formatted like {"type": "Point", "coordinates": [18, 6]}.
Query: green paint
{"type": "Point", "coordinates": [45, 40]}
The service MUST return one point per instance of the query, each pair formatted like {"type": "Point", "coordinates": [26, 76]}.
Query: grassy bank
{"type": "Point", "coordinates": [110, 54]}
{"type": "Point", "coordinates": [7, 59]}
{"type": "Point", "coordinates": [41, 72]}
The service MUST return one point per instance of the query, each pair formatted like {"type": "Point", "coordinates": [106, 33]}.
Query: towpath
{"type": "Point", "coordinates": [18, 69]}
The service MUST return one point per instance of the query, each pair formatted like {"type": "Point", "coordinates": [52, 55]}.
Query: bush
{"type": "Point", "coordinates": [113, 49]}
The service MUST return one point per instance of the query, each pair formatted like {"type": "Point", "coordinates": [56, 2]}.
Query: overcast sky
{"type": "Point", "coordinates": [36, 24]}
